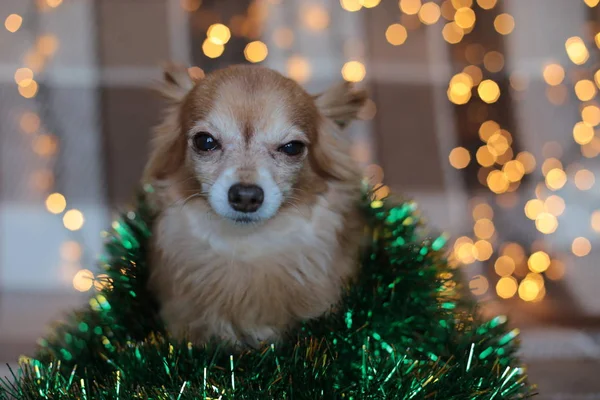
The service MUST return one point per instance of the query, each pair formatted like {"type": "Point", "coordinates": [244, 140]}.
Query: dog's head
{"type": "Point", "coordinates": [249, 141]}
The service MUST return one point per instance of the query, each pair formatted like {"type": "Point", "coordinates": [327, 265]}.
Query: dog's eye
{"type": "Point", "coordinates": [293, 148]}
{"type": "Point", "coordinates": [205, 142]}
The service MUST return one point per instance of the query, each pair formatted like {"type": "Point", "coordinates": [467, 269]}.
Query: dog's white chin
{"type": "Point", "coordinates": [218, 198]}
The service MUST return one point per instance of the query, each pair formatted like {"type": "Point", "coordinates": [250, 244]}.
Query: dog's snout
{"type": "Point", "coordinates": [245, 198]}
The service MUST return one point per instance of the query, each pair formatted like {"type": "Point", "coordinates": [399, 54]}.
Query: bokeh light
{"type": "Point", "coordinates": [459, 157]}
{"type": "Point", "coordinates": [556, 179]}
{"type": "Point", "coordinates": [554, 74]}
{"type": "Point", "coordinates": [83, 280]}
{"type": "Point", "coordinates": [256, 51]}
{"type": "Point", "coordinates": [489, 91]}
{"type": "Point", "coordinates": [219, 34]}
{"type": "Point", "coordinates": [533, 208]}
{"type": "Point", "coordinates": [576, 50]}
{"type": "Point", "coordinates": [479, 285]}
{"type": "Point", "coordinates": [504, 24]}
{"type": "Point", "coordinates": [584, 179]}
{"type": "Point", "coordinates": [452, 33]}
{"type": "Point", "coordinates": [73, 220]}
{"type": "Point", "coordinates": [298, 68]}
{"type": "Point", "coordinates": [556, 271]}
{"type": "Point", "coordinates": [585, 90]}
{"type": "Point", "coordinates": [486, 4]}
{"type": "Point", "coordinates": [581, 247]}
{"type": "Point", "coordinates": [354, 71]}
{"type": "Point", "coordinates": [396, 34]}
{"type": "Point", "coordinates": [591, 115]}
{"type": "Point", "coordinates": [410, 7]}
{"type": "Point", "coordinates": [484, 228]}
{"type": "Point", "coordinates": [493, 61]}
{"type": "Point", "coordinates": [351, 5]}
{"type": "Point", "coordinates": [212, 49]}
{"type": "Point", "coordinates": [595, 221]}
{"type": "Point", "coordinates": [497, 181]}
{"type": "Point", "coordinates": [314, 17]}
{"type": "Point", "coordinates": [13, 22]}
{"type": "Point", "coordinates": [71, 251]}
{"type": "Point", "coordinates": [464, 17]}
{"type": "Point", "coordinates": [538, 261]}
{"type": "Point", "coordinates": [504, 266]}
{"type": "Point", "coordinates": [583, 133]}
{"type": "Point", "coordinates": [430, 13]}
{"type": "Point", "coordinates": [56, 203]}
{"type": "Point", "coordinates": [506, 287]}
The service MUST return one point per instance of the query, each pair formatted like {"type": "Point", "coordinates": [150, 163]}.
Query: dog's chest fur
{"type": "Point", "coordinates": [250, 284]}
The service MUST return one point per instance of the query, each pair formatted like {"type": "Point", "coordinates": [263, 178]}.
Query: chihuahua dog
{"type": "Point", "coordinates": [256, 191]}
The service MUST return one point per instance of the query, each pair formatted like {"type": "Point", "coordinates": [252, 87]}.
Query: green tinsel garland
{"type": "Point", "coordinates": [405, 331]}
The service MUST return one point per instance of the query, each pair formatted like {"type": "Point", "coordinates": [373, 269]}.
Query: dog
{"type": "Point", "coordinates": [256, 193]}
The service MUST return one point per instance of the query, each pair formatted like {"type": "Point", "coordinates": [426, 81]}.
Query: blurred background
{"type": "Point", "coordinates": [483, 111]}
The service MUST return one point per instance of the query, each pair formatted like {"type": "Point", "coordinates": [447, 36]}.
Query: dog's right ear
{"type": "Point", "coordinates": [178, 81]}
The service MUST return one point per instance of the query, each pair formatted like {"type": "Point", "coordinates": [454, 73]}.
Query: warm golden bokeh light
{"type": "Point", "coordinates": [556, 179]}
{"type": "Point", "coordinates": [13, 22]}
{"type": "Point", "coordinates": [218, 33]}
{"type": "Point", "coordinates": [581, 247]}
{"type": "Point", "coordinates": [489, 91]}
{"type": "Point", "coordinates": [498, 143]}
{"type": "Point", "coordinates": [504, 24]}
{"type": "Point", "coordinates": [369, 3]}
{"type": "Point", "coordinates": [557, 95]}
{"type": "Point", "coordinates": [550, 164]}
{"type": "Point", "coordinates": [83, 280]}
{"type": "Point", "coordinates": [538, 261]}
{"type": "Point", "coordinates": [527, 160]}
{"type": "Point", "coordinates": [595, 221]}
{"type": "Point", "coordinates": [506, 287]}
{"type": "Point", "coordinates": [351, 5]}
{"type": "Point", "coordinates": [459, 89]}
{"type": "Point", "coordinates": [45, 145]}
{"type": "Point", "coordinates": [591, 3]}
{"type": "Point", "coordinates": [54, 3]}
{"type": "Point", "coordinates": [452, 33]}
{"type": "Point", "coordinates": [56, 203]}
{"type": "Point", "coordinates": [493, 61]}
{"type": "Point", "coordinates": [591, 115]}
{"type": "Point", "coordinates": [464, 17]}
{"type": "Point", "coordinates": [73, 220]}
{"type": "Point", "coordinates": [576, 50]}
{"type": "Point", "coordinates": [484, 228]}
{"type": "Point", "coordinates": [529, 289]}
{"type": "Point", "coordinates": [487, 129]}
{"type": "Point", "coordinates": [483, 210]}
{"type": "Point", "coordinates": [514, 251]}
{"type": "Point", "coordinates": [298, 68]}
{"type": "Point", "coordinates": [353, 71]}
{"type": "Point", "coordinates": [504, 266]}
{"type": "Point", "coordinates": [429, 13]}
{"type": "Point", "coordinates": [555, 205]}
{"type": "Point", "coordinates": [459, 157]}
{"type": "Point", "coordinates": [585, 90]}
{"type": "Point", "coordinates": [410, 7]}
{"type": "Point", "coordinates": [396, 34]}
{"type": "Point", "coordinates": [461, 3]}
{"type": "Point", "coordinates": [497, 181]}
{"type": "Point", "coordinates": [533, 208]}
{"type": "Point", "coordinates": [546, 223]}
{"type": "Point", "coordinates": [212, 49]}
{"type": "Point", "coordinates": [514, 170]}
{"type": "Point", "coordinates": [485, 157]}
{"type": "Point", "coordinates": [479, 285]}
{"type": "Point", "coordinates": [315, 17]}
{"type": "Point", "coordinates": [487, 4]}
{"type": "Point", "coordinates": [47, 45]}
{"type": "Point", "coordinates": [23, 77]}
{"type": "Point", "coordinates": [484, 250]}
{"type": "Point", "coordinates": [584, 179]}
{"type": "Point", "coordinates": [256, 51]}
{"type": "Point", "coordinates": [554, 74]}
{"type": "Point", "coordinates": [30, 90]}
{"type": "Point", "coordinates": [583, 133]}
{"type": "Point", "coordinates": [464, 250]}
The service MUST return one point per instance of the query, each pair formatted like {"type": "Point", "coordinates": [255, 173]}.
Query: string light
{"type": "Point", "coordinates": [396, 34]}
{"type": "Point", "coordinates": [315, 17]}
{"type": "Point", "coordinates": [13, 22]}
{"type": "Point", "coordinates": [504, 24]}
{"type": "Point", "coordinates": [429, 13]}
{"type": "Point", "coordinates": [83, 280]}
{"type": "Point", "coordinates": [576, 50]}
{"type": "Point", "coordinates": [459, 157]}
{"type": "Point", "coordinates": [493, 61]}
{"type": "Point", "coordinates": [556, 179]}
{"type": "Point", "coordinates": [506, 287]}
{"type": "Point", "coordinates": [484, 228]}
{"type": "Point", "coordinates": [595, 221]}
{"type": "Point", "coordinates": [504, 266]}
{"type": "Point", "coordinates": [256, 51]}
{"type": "Point", "coordinates": [479, 285]}
{"type": "Point", "coordinates": [483, 210]}
{"type": "Point", "coordinates": [351, 5]}
{"type": "Point", "coordinates": [464, 17]}
{"type": "Point", "coordinates": [353, 71]}
{"type": "Point", "coordinates": [23, 77]}
{"type": "Point", "coordinates": [486, 4]}
{"type": "Point", "coordinates": [369, 3]}
{"type": "Point", "coordinates": [212, 49]}
{"type": "Point", "coordinates": [73, 220]}
{"type": "Point", "coordinates": [581, 247]}
{"type": "Point", "coordinates": [553, 74]}
{"type": "Point", "coordinates": [591, 115]}
{"type": "Point", "coordinates": [497, 181]}
{"type": "Point", "coordinates": [583, 133]}
{"type": "Point", "coordinates": [452, 33]}
{"type": "Point", "coordinates": [584, 179]}
{"type": "Point", "coordinates": [56, 203]}
{"type": "Point", "coordinates": [298, 68]}
{"type": "Point", "coordinates": [585, 90]}
{"type": "Point", "coordinates": [218, 34]}
{"type": "Point", "coordinates": [538, 261]}
{"type": "Point", "coordinates": [489, 91]}
{"type": "Point", "coordinates": [410, 7]}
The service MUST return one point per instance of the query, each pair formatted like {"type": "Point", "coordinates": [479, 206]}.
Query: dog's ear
{"type": "Point", "coordinates": [178, 81]}
{"type": "Point", "coordinates": [341, 103]}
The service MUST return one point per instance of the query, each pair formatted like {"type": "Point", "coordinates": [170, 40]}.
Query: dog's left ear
{"type": "Point", "coordinates": [341, 103]}
{"type": "Point", "coordinates": [338, 106]}
{"type": "Point", "coordinates": [178, 81]}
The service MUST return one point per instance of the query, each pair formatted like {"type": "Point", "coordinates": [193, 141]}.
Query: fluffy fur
{"type": "Point", "coordinates": [251, 281]}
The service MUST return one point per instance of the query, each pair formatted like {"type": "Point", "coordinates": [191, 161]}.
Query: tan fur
{"type": "Point", "coordinates": [249, 283]}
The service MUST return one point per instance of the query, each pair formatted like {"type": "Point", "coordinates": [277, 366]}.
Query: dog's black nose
{"type": "Point", "coordinates": [245, 198]}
